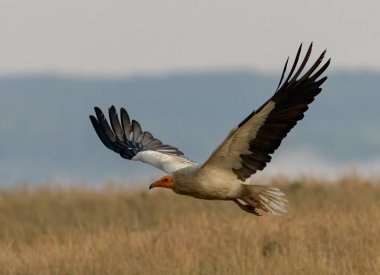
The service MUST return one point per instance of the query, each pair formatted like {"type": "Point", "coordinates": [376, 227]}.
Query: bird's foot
{"type": "Point", "coordinates": [247, 208]}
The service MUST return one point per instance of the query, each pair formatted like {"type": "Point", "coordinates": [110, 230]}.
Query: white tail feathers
{"type": "Point", "coordinates": [269, 199]}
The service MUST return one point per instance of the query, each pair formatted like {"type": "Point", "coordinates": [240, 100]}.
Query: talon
{"type": "Point", "coordinates": [248, 208]}
{"type": "Point", "coordinates": [255, 212]}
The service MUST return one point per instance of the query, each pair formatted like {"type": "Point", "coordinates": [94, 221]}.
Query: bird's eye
{"type": "Point", "coordinates": [165, 180]}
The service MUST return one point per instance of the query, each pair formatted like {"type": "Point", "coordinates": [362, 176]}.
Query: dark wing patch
{"type": "Point", "coordinates": [125, 137]}
{"type": "Point", "coordinates": [291, 99]}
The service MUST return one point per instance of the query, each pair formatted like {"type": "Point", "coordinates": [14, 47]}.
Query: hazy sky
{"type": "Point", "coordinates": [159, 36]}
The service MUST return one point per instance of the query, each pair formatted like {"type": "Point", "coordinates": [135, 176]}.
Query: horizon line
{"type": "Point", "coordinates": [169, 74]}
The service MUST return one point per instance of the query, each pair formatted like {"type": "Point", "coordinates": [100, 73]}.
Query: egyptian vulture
{"type": "Point", "coordinates": [246, 150]}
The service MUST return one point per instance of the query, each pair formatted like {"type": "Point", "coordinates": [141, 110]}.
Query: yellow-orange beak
{"type": "Point", "coordinates": [165, 182]}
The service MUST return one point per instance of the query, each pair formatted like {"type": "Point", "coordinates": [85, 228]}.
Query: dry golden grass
{"type": "Point", "coordinates": [330, 229]}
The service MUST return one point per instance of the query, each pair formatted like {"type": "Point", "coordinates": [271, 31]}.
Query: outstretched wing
{"type": "Point", "coordinates": [131, 142]}
{"type": "Point", "coordinates": [248, 147]}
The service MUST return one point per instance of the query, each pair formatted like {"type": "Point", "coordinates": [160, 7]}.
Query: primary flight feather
{"type": "Point", "coordinates": [247, 148]}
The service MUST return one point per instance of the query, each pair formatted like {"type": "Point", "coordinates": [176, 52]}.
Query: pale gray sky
{"type": "Point", "coordinates": [125, 37]}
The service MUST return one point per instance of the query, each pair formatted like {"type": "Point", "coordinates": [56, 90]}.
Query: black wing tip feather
{"type": "Point", "coordinates": [321, 70]}
{"type": "Point", "coordinates": [94, 121]}
{"type": "Point", "coordinates": [293, 67]}
{"type": "Point", "coordinates": [292, 80]}
{"type": "Point", "coordinates": [98, 110]}
{"type": "Point", "coordinates": [283, 73]}
{"type": "Point", "coordinates": [100, 132]}
{"type": "Point", "coordinates": [126, 137]}
{"type": "Point", "coordinates": [302, 66]}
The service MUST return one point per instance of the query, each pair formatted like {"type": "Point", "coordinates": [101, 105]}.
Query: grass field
{"type": "Point", "coordinates": [331, 228]}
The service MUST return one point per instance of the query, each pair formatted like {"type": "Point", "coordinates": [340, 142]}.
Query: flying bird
{"type": "Point", "coordinates": [246, 149]}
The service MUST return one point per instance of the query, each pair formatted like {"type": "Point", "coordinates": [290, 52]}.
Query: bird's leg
{"type": "Point", "coordinates": [247, 207]}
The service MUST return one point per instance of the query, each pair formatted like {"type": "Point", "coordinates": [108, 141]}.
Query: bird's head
{"type": "Point", "coordinates": [165, 181]}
